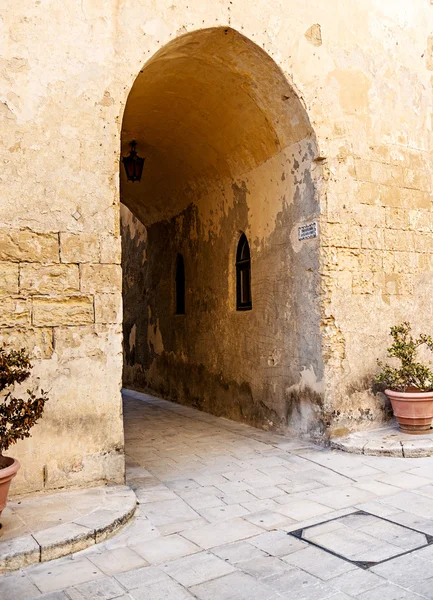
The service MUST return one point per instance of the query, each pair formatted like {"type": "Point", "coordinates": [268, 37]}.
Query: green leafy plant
{"type": "Point", "coordinates": [17, 415]}
{"type": "Point", "coordinates": [410, 375]}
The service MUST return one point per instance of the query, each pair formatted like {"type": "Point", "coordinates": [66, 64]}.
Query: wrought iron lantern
{"type": "Point", "coordinates": [133, 163]}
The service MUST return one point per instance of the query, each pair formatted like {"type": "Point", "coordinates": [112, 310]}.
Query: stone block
{"type": "Point", "coordinates": [363, 169]}
{"type": "Point", "coordinates": [79, 247]}
{"type": "Point", "coordinates": [399, 240]}
{"type": "Point", "coordinates": [370, 215]}
{"type": "Point", "coordinates": [417, 179]}
{"type": "Point", "coordinates": [343, 259]}
{"type": "Point", "coordinates": [318, 563]}
{"type": "Point", "coordinates": [108, 308]}
{"type": "Point", "coordinates": [391, 196]}
{"type": "Point", "coordinates": [104, 522]}
{"type": "Point", "coordinates": [363, 283]}
{"type": "Point", "coordinates": [104, 588]}
{"type": "Point", "coordinates": [74, 310]}
{"type": "Point", "coordinates": [415, 198]}
{"type": "Point", "coordinates": [16, 245]}
{"type": "Point", "coordinates": [301, 510]}
{"type": "Point", "coordinates": [423, 242]}
{"type": "Point", "coordinates": [386, 174]}
{"type": "Point", "coordinates": [425, 262]}
{"type": "Point", "coordinates": [198, 568]}
{"type": "Point", "coordinates": [63, 539]}
{"type": "Point", "coordinates": [420, 220]}
{"type": "Point", "coordinates": [144, 576]}
{"type": "Point", "coordinates": [63, 596]}
{"type": "Point", "coordinates": [38, 340]}
{"type": "Point", "coordinates": [372, 238]}
{"type": "Point", "coordinates": [335, 234]}
{"type": "Point", "coordinates": [16, 586]}
{"type": "Point", "coordinates": [163, 590]}
{"type": "Point", "coordinates": [101, 278]}
{"type": "Point", "coordinates": [165, 548]}
{"type": "Point", "coordinates": [341, 235]}
{"type": "Point", "coordinates": [18, 552]}
{"type": "Point", "coordinates": [371, 260]}
{"type": "Point", "coordinates": [49, 279]}
{"type": "Point", "coordinates": [217, 534]}
{"type": "Point", "coordinates": [404, 262]}
{"type": "Point", "coordinates": [73, 343]}
{"type": "Point", "coordinates": [119, 560]}
{"type": "Point", "coordinates": [356, 582]}
{"type": "Point", "coordinates": [368, 193]}
{"type": "Point", "coordinates": [8, 279]}
{"type": "Point", "coordinates": [388, 260]}
{"type": "Point", "coordinates": [268, 519]}
{"type": "Point", "coordinates": [348, 444]}
{"type": "Point", "coordinates": [241, 586]}
{"type": "Point", "coordinates": [14, 311]}
{"type": "Point", "coordinates": [417, 448]}
{"type": "Point", "coordinates": [111, 249]}
{"type": "Point", "coordinates": [383, 447]}
{"type": "Point", "coordinates": [397, 218]}
{"type": "Point", "coordinates": [405, 284]}
{"type": "Point", "coordinates": [389, 283]}
{"type": "Point", "coordinates": [67, 573]}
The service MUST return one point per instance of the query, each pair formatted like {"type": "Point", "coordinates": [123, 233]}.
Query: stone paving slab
{"type": "Point", "coordinates": [185, 466]}
{"type": "Point", "coordinates": [386, 441]}
{"type": "Point", "coordinates": [29, 534]}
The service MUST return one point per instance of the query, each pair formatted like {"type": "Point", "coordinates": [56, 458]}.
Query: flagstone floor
{"type": "Point", "coordinates": [228, 512]}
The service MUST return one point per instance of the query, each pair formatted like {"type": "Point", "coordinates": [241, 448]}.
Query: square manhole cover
{"type": "Point", "coordinates": [363, 539]}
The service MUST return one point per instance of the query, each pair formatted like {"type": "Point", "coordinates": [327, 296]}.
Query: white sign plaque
{"type": "Point", "coordinates": [307, 232]}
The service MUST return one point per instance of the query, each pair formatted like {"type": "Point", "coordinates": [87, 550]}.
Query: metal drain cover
{"type": "Point", "coordinates": [364, 539]}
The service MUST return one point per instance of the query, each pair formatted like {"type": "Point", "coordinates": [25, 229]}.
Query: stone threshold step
{"type": "Point", "coordinates": [95, 514]}
{"type": "Point", "coordinates": [386, 441]}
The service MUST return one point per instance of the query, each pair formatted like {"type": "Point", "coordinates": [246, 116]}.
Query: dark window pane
{"type": "Point", "coordinates": [245, 286]}
{"type": "Point", "coordinates": [243, 275]}
{"type": "Point", "coordinates": [180, 285]}
{"type": "Point", "coordinates": [245, 251]}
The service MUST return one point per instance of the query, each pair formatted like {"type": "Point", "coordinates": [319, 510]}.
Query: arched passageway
{"type": "Point", "coordinates": [229, 151]}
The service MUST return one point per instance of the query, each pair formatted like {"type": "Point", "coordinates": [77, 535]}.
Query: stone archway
{"type": "Point", "coordinates": [229, 148]}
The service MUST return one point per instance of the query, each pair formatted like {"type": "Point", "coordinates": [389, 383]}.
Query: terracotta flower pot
{"type": "Point", "coordinates": [8, 469]}
{"type": "Point", "coordinates": [413, 410]}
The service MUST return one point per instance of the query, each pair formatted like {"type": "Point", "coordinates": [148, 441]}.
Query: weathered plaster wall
{"type": "Point", "coordinates": [242, 365]}
{"type": "Point", "coordinates": [363, 72]}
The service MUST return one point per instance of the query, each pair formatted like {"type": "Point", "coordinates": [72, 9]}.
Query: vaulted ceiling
{"type": "Point", "coordinates": [210, 105]}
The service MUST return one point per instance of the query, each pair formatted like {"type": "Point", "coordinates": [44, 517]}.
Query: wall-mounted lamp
{"type": "Point", "coordinates": [133, 163]}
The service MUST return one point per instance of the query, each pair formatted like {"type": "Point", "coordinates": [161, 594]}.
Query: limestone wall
{"type": "Point", "coordinates": [60, 300]}
{"type": "Point", "coordinates": [377, 272]}
{"type": "Point", "coordinates": [363, 73]}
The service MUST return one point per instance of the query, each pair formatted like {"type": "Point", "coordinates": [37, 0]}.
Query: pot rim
{"type": "Point", "coordinates": [10, 469]}
{"type": "Point", "coordinates": [409, 395]}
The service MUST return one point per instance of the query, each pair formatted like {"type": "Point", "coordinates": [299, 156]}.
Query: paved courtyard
{"type": "Point", "coordinates": [228, 512]}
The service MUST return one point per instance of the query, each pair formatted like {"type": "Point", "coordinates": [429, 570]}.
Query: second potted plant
{"type": "Point", "coordinates": [409, 385]}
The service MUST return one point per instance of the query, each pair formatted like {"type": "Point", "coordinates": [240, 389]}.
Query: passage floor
{"type": "Point", "coordinates": [226, 513]}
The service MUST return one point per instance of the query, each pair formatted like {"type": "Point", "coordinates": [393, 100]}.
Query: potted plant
{"type": "Point", "coordinates": [17, 415]}
{"type": "Point", "coordinates": [409, 385]}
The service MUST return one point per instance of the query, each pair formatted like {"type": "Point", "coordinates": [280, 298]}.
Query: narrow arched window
{"type": "Point", "coordinates": [243, 275]}
{"type": "Point", "coordinates": [180, 285]}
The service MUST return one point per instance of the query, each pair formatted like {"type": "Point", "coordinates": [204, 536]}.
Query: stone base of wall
{"type": "Point", "coordinates": [95, 469]}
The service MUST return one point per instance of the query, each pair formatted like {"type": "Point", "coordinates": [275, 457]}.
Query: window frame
{"type": "Point", "coordinates": [243, 268]}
